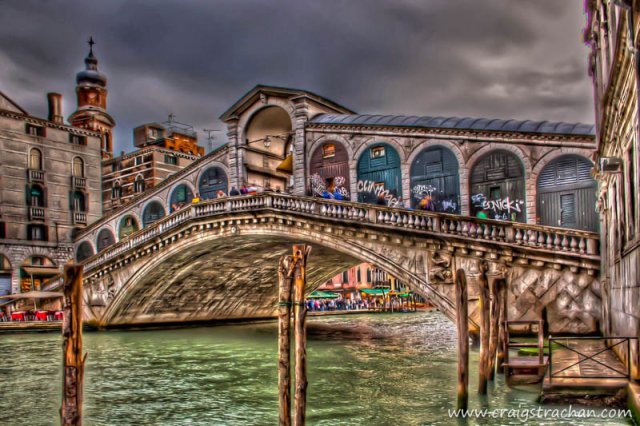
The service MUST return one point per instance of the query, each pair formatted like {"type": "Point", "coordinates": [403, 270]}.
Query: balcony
{"type": "Point", "coordinates": [35, 175]}
{"type": "Point", "coordinates": [79, 218]}
{"type": "Point", "coordinates": [78, 182]}
{"type": "Point", "coordinates": [36, 213]}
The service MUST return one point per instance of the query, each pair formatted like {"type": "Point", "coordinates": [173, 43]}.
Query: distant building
{"type": "Point", "coordinates": [49, 189]}
{"type": "Point", "coordinates": [163, 149]}
{"type": "Point", "coordinates": [362, 276]}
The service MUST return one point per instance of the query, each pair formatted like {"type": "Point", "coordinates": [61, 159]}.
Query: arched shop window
{"type": "Point", "coordinates": [152, 212]}
{"type": "Point", "coordinates": [212, 180]}
{"type": "Point", "coordinates": [498, 187]}
{"type": "Point", "coordinates": [84, 251]}
{"type": "Point", "coordinates": [379, 176]}
{"type": "Point", "coordinates": [180, 197]}
{"type": "Point", "coordinates": [329, 171]}
{"type": "Point", "coordinates": [128, 225]}
{"type": "Point", "coordinates": [5, 275]}
{"type": "Point", "coordinates": [105, 239]}
{"type": "Point", "coordinates": [567, 194]}
{"type": "Point", "coordinates": [435, 181]}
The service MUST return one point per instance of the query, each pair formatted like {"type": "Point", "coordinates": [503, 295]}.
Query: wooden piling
{"type": "Point", "coordinates": [502, 317]}
{"type": "Point", "coordinates": [72, 359]}
{"type": "Point", "coordinates": [462, 322]}
{"type": "Point", "coordinates": [494, 326]}
{"type": "Point", "coordinates": [483, 302]}
{"type": "Point", "coordinates": [300, 254]}
{"type": "Point", "coordinates": [285, 276]}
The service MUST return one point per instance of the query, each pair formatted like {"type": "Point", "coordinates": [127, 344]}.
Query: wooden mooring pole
{"type": "Point", "coordinates": [494, 326]}
{"type": "Point", "coordinates": [72, 359]}
{"type": "Point", "coordinates": [285, 276]}
{"type": "Point", "coordinates": [462, 322]}
{"type": "Point", "coordinates": [502, 317]}
{"type": "Point", "coordinates": [300, 254]}
{"type": "Point", "coordinates": [483, 302]}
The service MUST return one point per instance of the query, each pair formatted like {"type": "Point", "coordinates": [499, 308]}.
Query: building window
{"type": "Point", "coordinates": [153, 133]}
{"type": "Point", "coordinates": [359, 275]}
{"type": "Point", "coordinates": [35, 130]}
{"type": "Point", "coordinates": [138, 160]}
{"type": "Point", "coordinates": [345, 277]}
{"type": "Point", "coordinates": [37, 232]}
{"type": "Point", "coordinates": [368, 275]}
{"type": "Point", "coordinates": [328, 150]}
{"type": "Point", "coordinates": [171, 159]}
{"type": "Point", "coordinates": [79, 202]}
{"type": "Point", "coordinates": [78, 167]}
{"type": "Point", "coordinates": [377, 152]}
{"type": "Point", "coordinates": [77, 139]}
{"type": "Point", "coordinates": [139, 184]}
{"type": "Point", "coordinates": [116, 191]}
{"type": "Point", "coordinates": [35, 159]}
{"type": "Point", "coordinates": [115, 166]}
{"type": "Point", "coordinates": [36, 196]}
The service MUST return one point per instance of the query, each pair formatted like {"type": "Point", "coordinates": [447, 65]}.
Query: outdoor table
{"type": "Point", "coordinates": [41, 315]}
{"type": "Point", "coordinates": [59, 315]}
{"type": "Point", "coordinates": [17, 316]}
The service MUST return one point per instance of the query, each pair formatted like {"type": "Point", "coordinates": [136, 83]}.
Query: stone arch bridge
{"type": "Point", "coordinates": [217, 259]}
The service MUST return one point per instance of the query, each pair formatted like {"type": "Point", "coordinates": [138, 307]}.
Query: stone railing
{"type": "Point", "coordinates": [36, 213]}
{"type": "Point", "coordinates": [540, 238]}
{"type": "Point", "coordinates": [78, 182]}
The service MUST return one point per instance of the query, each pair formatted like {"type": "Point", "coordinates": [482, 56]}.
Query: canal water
{"type": "Point", "coordinates": [370, 369]}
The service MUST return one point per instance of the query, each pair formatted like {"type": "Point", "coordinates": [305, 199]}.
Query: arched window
{"type": "Point", "coordinates": [5, 275]}
{"type": "Point", "coordinates": [180, 197]}
{"type": "Point", "coordinates": [36, 196]}
{"type": "Point", "coordinates": [116, 191]}
{"type": "Point", "coordinates": [139, 184]}
{"type": "Point", "coordinates": [379, 176]}
{"type": "Point", "coordinates": [329, 171]}
{"type": "Point", "coordinates": [78, 167]}
{"type": "Point", "coordinates": [435, 182]}
{"type": "Point", "coordinates": [35, 271]}
{"type": "Point", "coordinates": [152, 212]}
{"type": "Point", "coordinates": [498, 187]}
{"type": "Point", "coordinates": [35, 159]}
{"type": "Point", "coordinates": [213, 179]}
{"type": "Point", "coordinates": [128, 225]}
{"type": "Point", "coordinates": [79, 202]}
{"type": "Point", "coordinates": [105, 239]}
{"type": "Point", "coordinates": [566, 194]}
{"type": "Point", "coordinates": [84, 251]}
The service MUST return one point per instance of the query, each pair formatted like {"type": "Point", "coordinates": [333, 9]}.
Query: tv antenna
{"type": "Point", "coordinates": [210, 137]}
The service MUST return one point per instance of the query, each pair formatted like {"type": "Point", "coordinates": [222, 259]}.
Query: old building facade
{"type": "Point", "coordinates": [612, 34]}
{"type": "Point", "coordinates": [49, 190]}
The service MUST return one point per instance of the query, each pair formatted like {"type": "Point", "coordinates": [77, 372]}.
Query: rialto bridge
{"type": "Point", "coordinates": [161, 258]}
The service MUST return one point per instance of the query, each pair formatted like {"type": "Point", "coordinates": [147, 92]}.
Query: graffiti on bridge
{"type": "Point", "coordinates": [430, 198]}
{"type": "Point", "coordinates": [329, 188]}
{"type": "Point", "coordinates": [503, 209]}
{"type": "Point", "coordinates": [377, 188]}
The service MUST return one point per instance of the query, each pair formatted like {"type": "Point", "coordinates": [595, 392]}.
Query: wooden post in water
{"type": "Point", "coordinates": [502, 317]}
{"type": "Point", "coordinates": [72, 359]}
{"type": "Point", "coordinates": [483, 302]}
{"type": "Point", "coordinates": [462, 322]}
{"type": "Point", "coordinates": [494, 326]}
{"type": "Point", "coordinates": [285, 275]}
{"type": "Point", "coordinates": [300, 254]}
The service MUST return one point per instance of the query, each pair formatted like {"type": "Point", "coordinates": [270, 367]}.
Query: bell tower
{"type": "Point", "coordinates": [91, 112]}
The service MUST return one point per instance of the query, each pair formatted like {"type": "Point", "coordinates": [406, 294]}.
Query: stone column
{"type": "Point", "coordinates": [301, 116]}
{"type": "Point", "coordinates": [237, 174]}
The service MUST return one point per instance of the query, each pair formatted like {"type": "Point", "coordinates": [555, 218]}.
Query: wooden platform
{"type": "Point", "coordinates": [576, 375]}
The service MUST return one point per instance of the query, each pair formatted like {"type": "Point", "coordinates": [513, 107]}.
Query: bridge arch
{"type": "Point", "coordinates": [212, 179]}
{"type": "Point", "coordinates": [169, 272]}
{"type": "Point", "coordinates": [106, 237]}
{"type": "Point", "coordinates": [127, 225]}
{"type": "Point", "coordinates": [180, 195]}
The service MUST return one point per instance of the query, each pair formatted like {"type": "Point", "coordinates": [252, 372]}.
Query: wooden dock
{"type": "Point", "coordinates": [584, 368]}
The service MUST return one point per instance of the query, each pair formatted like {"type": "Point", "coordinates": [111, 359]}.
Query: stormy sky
{"type": "Point", "coordinates": [194, 58]}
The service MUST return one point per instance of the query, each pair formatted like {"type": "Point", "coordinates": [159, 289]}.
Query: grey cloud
{"type": "Point", "coordinates": [490, 58]}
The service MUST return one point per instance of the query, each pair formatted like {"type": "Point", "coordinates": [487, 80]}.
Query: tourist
{"type": "Point", "coordinates": [244, 190]}
{"type": "Point", "coordinates": [381, 201]}
{"type": "Point", "coordinates": [220, 193]}
{"type": "Point", "coordinates": [196, 198]}
{"type": "Point", "coordinates": [234, 191]}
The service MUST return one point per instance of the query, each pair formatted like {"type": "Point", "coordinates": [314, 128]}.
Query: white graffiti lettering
{"type": "Point", "coordinates": [427, 189]}
{"type": "Point", "coordinates": [379, 190]}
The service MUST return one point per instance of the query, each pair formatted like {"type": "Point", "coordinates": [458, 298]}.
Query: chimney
{"type": "Point", "coordinates": [55, 107]}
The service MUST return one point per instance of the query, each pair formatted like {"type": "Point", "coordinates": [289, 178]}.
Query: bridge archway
{"type": "Point", "coordinates": [497, 182]}
{"type": "Point", "coordinates": [128, 225]}
{"type": "Point", "coordinates": [153, 211]}
{"type": "Point", "coordinates": [435, 180]}
{"type": "Point", "coordinates": [84, 251]}
{"type": "Point", "coordinates": [379, 175]}
{"type": "Point", "coordinates": [181, 196]}
{"type": "Point", "coordinates": [566, 194]}
{"type": "Point", "coordinates": [212, 180]}
{"type": "Point", "coordinates": [105, 239]}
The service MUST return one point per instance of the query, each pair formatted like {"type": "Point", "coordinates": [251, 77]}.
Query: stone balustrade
{"type": "Point", "coordinates": [549, 239]}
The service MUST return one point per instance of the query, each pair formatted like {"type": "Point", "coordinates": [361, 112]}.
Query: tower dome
{"type": "Point", "coordinates": [90, 75]}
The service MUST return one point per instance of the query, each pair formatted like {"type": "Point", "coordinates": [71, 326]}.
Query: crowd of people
{"type": "Point", "coordinates": [369, 303]}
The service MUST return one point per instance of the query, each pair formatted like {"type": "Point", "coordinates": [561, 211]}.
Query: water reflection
{"type": "Point", "coordinates": [363, 369]}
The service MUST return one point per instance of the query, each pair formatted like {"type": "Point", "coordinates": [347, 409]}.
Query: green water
{"type": "Point", "coordinates": [375, 369]}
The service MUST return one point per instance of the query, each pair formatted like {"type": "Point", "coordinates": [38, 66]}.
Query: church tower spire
{"type": "Point", "coordinates": [91, 92]}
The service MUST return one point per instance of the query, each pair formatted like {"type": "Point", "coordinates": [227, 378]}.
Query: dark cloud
{"type": "Point", "coordinates": [490, 58]}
